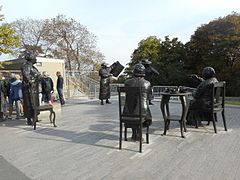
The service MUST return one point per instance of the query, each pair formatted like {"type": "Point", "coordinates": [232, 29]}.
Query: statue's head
{"type": "Point", "coordinates": [30, 56]}
{"type": "Point", "coordinates": [104, 65]}
{"type": "Point", "coordinates": [145, 62]}
{"type": "Point", "coordinates": [208, 72]}
{"type": "Point", "coordinates": [139, 70]}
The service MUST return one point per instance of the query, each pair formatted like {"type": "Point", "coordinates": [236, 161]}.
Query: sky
{"type": "Point", "coordinates": [121, 24]}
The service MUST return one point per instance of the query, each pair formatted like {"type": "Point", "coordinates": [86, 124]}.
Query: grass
{"type": "Point", "coordinates": [232, 102]}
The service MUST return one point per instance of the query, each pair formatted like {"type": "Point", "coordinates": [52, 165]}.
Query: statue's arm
{"type": "Point", "coordinates": [26, 70]}
{"type": "Point", "coordinates": [194, 76]}
{"type": "Point", "coordinates": [154, 71]}
{"type": "Point", "coordinates": [105, 73]}
{"type": "Point", "coordinates": [199, 91]}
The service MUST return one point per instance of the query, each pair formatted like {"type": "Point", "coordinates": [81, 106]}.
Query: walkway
{"type": "Point", "coordinates": [85, 146]}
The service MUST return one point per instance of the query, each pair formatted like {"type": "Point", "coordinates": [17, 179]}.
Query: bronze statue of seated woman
{"type": "Point", "coordinates": [201, 98]}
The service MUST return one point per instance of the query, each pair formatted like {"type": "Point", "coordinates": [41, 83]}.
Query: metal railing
{"type": "Point", "coordinates": [90, 87]}
{"type": "Point", "coordinates": [94, 90]}
{"type": "Point", "coordinates": [82, 84]}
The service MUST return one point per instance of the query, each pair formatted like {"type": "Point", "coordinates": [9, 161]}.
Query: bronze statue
{"type": "Point", "coordinates": [132, 108]}
{"type": "Point", "coordinates": [201, 97]}
{"type": "Point", "coordinates": [150, 74]}
{"type": "Point", "coordinates": [105, 75]}
{"type": "Point", "coordinates": [30, 87]}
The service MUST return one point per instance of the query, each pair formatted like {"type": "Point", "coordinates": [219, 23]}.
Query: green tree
{"type": "Point", "coordinates": [167, 58]}
{"type": "Point", "coordinates": [147, 48]}
{"type": "Point", "coordinates": [9, 40]}
{"type": "Point", "coordinates": [170, 62]}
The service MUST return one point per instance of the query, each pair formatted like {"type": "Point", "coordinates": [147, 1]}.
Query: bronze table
{"type": "Point", "coordinates": [166, 113]}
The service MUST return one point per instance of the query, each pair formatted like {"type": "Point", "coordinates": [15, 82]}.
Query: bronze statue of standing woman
{"type": "Point", "coordinates": [30, 87]}
{"type": "Point", "coordinates": [104, 73]}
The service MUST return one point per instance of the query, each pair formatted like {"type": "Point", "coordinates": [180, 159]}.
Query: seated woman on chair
{"type": "Point", "coordinates": [201, 97]}
{"type": "Point", "coordinates": [131, 107]}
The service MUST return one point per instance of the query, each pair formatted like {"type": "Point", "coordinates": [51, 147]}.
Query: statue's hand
{"type": "Point", "coordinates": [194, 76]}
{"type": "Point", "coordinates": [32, 82]}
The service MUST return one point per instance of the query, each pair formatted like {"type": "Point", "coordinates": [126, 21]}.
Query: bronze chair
{"type": "Point", "coordinates": [217, 104]}
{"type": "Point", "coordinates": [46, 107]}
{"type": "Point", "coordinates": [131, 120]}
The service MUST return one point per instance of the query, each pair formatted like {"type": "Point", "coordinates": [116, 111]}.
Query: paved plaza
{"type": "Point", "coordinates": [85, 146]}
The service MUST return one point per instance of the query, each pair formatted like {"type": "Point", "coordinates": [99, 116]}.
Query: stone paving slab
{"type": "Point", "coordinates": [85, 146]}
{"type": "Point", "coordinates": [8, 171]}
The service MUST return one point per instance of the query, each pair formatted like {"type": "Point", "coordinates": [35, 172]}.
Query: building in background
{"type": "Point", "coordinates": [43, 64]}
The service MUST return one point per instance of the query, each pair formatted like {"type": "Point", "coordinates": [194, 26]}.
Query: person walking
{"type": "Point", "coordinates": [60, 88]}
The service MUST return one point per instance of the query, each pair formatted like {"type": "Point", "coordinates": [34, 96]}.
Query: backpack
{"type": "Point", "coordinates": [47, 84]}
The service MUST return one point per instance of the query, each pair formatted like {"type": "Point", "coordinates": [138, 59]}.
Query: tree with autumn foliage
{"type": "Point", "coordinates": [217, 44]}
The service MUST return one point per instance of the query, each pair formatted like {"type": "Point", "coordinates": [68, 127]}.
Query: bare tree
{"type": "Point", "coordinates": [31, 34]}
{"type": "Point", "coordinates": [60, 38]}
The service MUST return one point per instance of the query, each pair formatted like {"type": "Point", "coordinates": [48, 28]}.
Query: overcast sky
{"type": "Point", "coordinates": [121, 24]}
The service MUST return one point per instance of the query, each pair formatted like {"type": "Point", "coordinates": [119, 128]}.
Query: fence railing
{"type": "Point", "coordinates": [94, 90]}
{"type": "Point", "coordinates": [90, 87]}
{"type": "Point", "coordinates": [80, 84]}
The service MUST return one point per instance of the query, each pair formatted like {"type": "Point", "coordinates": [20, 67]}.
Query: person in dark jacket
{"type": "Point", "coordinates": [30, 86]}
{"type": "Point", "coordinates": [47, 87]}
{"type": "Point", "coordinates": [201, 97]}
{"type": "Point", "coordinates": [105, 75]}
{"type": "Point", "coordinates": [150, 74]}
{"type": "Point", "coordinates": [131, 103]}
{"type": "Point", "coordinates": [60, 88]}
